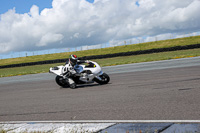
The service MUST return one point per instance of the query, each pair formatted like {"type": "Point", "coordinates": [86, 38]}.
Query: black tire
{"type": "Point", "coordinates": [60, 81]}
{"type": "Point", "coordinates": [105, 79]}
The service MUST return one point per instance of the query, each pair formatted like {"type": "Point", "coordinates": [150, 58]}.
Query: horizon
{"type": "Point", "coordinates": [99, 46]}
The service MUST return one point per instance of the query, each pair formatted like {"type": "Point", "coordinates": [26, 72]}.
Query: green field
{"type": "Point", "coordinates": [105, 62]}
{"type": "Point", "coordinates": [118, 49]}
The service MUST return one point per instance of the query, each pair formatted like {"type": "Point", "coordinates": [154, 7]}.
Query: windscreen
{"type": "Point", "coordinates": [78, 68]}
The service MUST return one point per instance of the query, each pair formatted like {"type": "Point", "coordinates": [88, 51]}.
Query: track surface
{"type": "Point", "coordinates": [164, 90]}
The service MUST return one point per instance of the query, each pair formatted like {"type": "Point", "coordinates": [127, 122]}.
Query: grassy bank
{"type": "Point", "coordinates": [111, 50]}
{"type": "Point", "coordinates": [105, 62]}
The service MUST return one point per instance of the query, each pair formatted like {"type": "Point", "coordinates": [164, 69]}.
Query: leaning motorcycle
{"type": "Point", "coordinates": [84, 74]}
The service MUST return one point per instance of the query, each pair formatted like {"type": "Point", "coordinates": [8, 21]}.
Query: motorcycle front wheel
{"type": "Point", "coordinates": [104, 79]}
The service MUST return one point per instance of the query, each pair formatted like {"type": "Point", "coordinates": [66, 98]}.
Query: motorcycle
{"type": "Point", "coordinates": [66, 77]}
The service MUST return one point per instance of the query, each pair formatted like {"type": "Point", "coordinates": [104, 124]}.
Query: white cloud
{"type": "Point", "coordinates": [34, 12]}
{"type": "Point", "coordinates": [49, 38]}
{"type": "Point", "coordinates": [147, 4]}
{"type": "Point", "coordinates": [71, 23]}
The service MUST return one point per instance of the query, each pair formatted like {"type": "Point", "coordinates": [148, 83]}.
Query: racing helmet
{"type": "Point", "coordinates": [73, 59]}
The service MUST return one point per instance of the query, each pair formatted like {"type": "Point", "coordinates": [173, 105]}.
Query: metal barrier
{"type": "Point", "coordinates": [106, 56]}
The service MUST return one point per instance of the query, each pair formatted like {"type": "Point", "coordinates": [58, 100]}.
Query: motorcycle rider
{"type": "Point", "coordinates": [73, 59]}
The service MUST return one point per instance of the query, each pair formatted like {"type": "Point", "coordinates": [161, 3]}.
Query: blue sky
{"type": "Point", "coordinates": [23, 6]}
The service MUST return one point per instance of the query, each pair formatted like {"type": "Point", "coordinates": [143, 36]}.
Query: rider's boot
{"type": "Point", "coordinates": [72, 84]}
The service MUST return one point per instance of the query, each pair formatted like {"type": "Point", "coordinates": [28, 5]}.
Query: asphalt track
{"type": "Point", "coordinates": [163, 90]}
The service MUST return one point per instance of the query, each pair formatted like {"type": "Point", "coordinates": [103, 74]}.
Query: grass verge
{"type": "Point", "coordinates": [103, 51]}
{"type": "Point", "coordinates": [105, 62]}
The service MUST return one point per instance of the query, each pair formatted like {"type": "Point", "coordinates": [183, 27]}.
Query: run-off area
{"type": "Point", "coordinates": [101, 127]}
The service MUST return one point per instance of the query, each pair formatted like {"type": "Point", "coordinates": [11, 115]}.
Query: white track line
{"type": "Point", "coordinates": [105, 121]}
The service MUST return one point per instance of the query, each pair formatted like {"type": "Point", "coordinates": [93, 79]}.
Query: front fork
{"type": "Point", "coordinates": [98, 75]}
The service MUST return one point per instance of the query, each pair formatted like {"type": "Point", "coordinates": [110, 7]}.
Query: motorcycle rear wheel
{"type": "Point", "coordinates": [60, 81]}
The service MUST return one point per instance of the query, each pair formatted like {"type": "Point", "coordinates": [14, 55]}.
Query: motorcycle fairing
{"type": "Point", "coordinates": [87, 74]}
{"type": "Point", "coordinates": [56, 70]}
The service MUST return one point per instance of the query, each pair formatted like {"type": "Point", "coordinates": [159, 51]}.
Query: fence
{"type": "Point", "coordinates": [107, 55]}
{"type": "Point", "coordinates": [137, 40]}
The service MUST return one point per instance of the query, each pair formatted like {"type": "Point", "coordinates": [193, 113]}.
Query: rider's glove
{"type": "Point", "coordinates": [71, 70]}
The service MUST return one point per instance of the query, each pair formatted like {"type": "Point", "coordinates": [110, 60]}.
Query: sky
{"type": "Point", "coordinates": [34, 25]}
{"type": "Point", "coordinates": [23, 6]}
